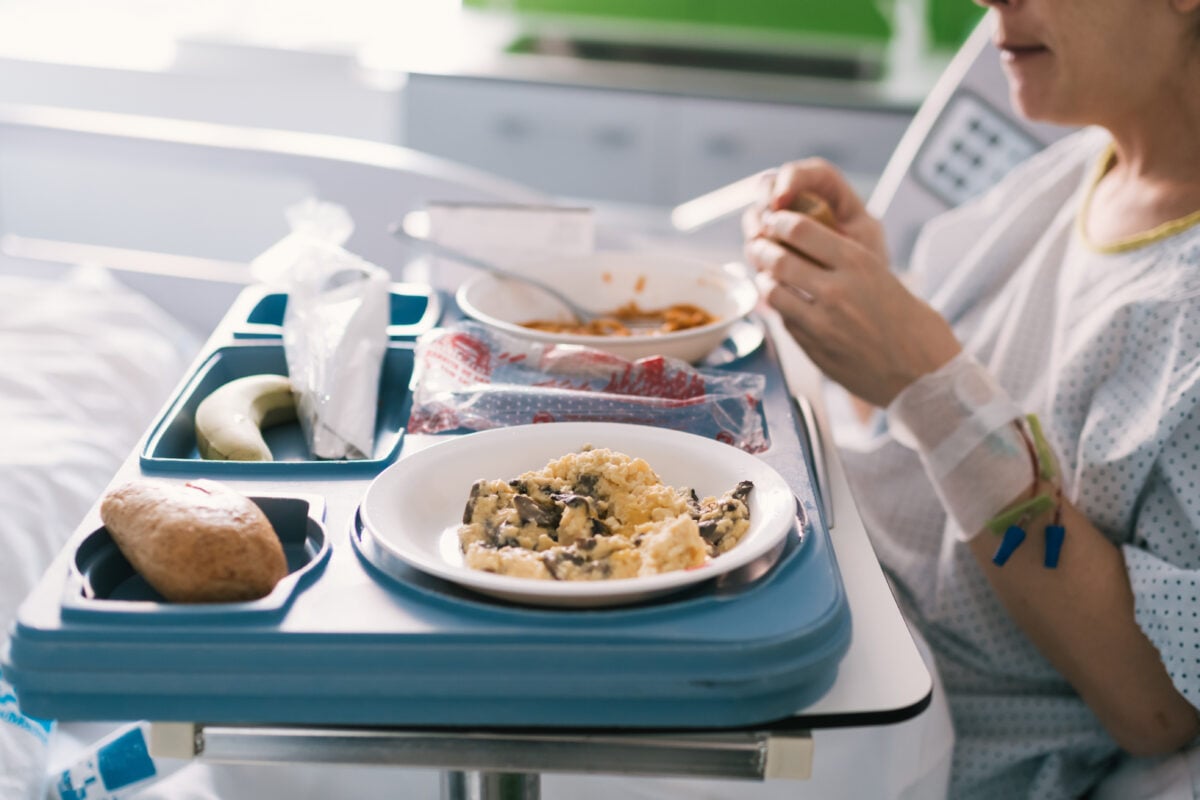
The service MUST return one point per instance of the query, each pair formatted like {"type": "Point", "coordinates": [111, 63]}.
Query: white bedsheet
{"type": "Point", "coordinates": [84, 365]}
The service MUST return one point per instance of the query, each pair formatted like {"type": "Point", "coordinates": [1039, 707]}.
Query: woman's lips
{"type": "Point", "coordinates": [1020, 52]}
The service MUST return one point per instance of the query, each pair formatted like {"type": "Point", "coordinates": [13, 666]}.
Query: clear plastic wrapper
{"type": "Point", "coordinates": [334, 329]}
{"type": "Point", "coordinates": [470, 377]}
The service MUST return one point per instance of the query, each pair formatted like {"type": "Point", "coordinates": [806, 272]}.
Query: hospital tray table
{"type": "Point", "coordinates": [349, 646]}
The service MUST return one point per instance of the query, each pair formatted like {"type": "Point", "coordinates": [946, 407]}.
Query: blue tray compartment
{"type": "Point", "coordinates": [413, 310]}
{"type": "Point", "coordinates": [103, 585]}
{"type": "Point", "coordinates": [171, 446]}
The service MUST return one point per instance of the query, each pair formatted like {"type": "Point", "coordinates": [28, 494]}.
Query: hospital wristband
{"type": "Point", "coordinates": [1012, 522]}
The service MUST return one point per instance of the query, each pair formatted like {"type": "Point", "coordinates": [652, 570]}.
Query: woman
{"type": "Point", "coordinates": [1072, 292]}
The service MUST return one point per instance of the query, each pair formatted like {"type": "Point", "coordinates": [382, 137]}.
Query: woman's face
{"type": "Point", "coordinates": [1080, 62]}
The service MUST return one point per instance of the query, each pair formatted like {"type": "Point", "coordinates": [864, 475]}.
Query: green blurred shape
{"type": "Point", "coordinates": [950, 21]}
{"type": "Point", "coordinates": [851, 19]}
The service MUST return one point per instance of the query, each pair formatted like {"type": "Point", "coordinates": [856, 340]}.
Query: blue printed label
{"type": "Point", "coordinates": [68, 790]}
{"type": "Point", "coordinates": [125, 760]}
{"type": "Point", "coordinates": [11, 714]}
{"type": "Point", "coordinates": [35, 727]}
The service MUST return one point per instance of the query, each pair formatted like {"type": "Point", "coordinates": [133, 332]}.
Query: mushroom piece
{"type": "Point", "coordinates": [529, 510]}
{"type": "Point", "coordinates": [576, 501]}
{"type": "Point", "coordinates": [469, 509]}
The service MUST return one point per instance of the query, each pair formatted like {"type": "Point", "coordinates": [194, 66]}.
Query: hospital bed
{"type": "Point", "coordinates": [151, 199]}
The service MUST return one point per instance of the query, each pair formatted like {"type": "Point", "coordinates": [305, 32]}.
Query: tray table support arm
{"type": "Point", "coordinates": [482, 763]}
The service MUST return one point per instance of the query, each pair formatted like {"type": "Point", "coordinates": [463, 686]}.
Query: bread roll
{"type": "Point", "coordinates": [198, 542]}
{"type": "Point", "coordinates": [813, 206]}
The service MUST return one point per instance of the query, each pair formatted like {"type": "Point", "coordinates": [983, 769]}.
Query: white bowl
{"type": "Point", "coordinates": [603, 282]}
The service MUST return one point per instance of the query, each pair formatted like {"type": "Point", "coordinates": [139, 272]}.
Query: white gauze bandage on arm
{"type": "Point", "coordinates": [960, 422]}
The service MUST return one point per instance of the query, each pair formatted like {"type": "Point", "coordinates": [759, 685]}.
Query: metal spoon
{"type": "Point", "coordinates": [582, 315]}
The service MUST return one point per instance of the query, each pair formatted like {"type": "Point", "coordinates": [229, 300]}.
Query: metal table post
{"type": "Point", "coordinates": [475, 785]}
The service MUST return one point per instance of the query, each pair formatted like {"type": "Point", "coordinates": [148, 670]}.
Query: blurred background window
{"type": "Point", "coordinates": [642, 103]}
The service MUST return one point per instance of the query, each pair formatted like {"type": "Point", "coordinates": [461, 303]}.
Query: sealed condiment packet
{"type": "Point", "coordinates": [470, 377]}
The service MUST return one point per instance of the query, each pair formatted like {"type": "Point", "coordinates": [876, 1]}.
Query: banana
{"type": "Point", "coordinates": [230, 420]}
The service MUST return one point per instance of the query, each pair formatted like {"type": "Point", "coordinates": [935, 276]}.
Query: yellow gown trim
{"type": "Point", "coordinates": [1157, 233]}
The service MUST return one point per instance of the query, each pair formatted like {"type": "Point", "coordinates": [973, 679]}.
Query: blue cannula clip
{"type": "Point", "coordinates": [1054, 543]}
{"type": "Point", "coordinates": [1012, 540]}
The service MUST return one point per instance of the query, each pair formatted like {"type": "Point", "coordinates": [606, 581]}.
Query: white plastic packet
{"type": "Point", "coordinates": [334, 330]}
{"type": "Point", "coordinates": [114, 768]}
{"type": "Point", "coordinates": [24, 746]}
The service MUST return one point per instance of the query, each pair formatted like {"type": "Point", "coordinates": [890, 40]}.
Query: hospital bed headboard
{"type": "Point", "coordinates": [178, 208]}
{"type": "Point", "coordinates": [964, 138]}
{"type": "Point", "coordinates": [206, 190]}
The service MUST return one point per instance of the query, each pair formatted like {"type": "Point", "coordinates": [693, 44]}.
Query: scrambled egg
{"type": "Point", "coordinates": [594, 515]}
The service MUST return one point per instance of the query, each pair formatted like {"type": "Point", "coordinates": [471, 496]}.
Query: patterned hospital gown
{"type": "Point", "coordinates": [1104, 345]}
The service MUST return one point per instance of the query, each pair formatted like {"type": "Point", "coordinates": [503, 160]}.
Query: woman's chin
{"type": "Point", "coordinates": [1037, 106]}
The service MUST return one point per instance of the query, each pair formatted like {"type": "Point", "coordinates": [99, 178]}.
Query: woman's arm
{"type": "Point", "coordinates": [1080, 616]}
{"type": "Point", "coordinates": [865, 330]}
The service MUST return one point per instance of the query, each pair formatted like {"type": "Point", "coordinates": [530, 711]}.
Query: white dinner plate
{"type": "Point", "coordinates": [414, 507]}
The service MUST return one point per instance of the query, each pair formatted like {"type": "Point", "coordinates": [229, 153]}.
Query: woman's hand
{"type": "Point", "coordinates": [819, 177]}
{"type": "Point", "coordinates": [835, 293]}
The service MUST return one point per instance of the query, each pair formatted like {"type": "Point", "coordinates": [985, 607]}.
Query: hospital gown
{"type": "Point", "coordinates": [1104, 345]}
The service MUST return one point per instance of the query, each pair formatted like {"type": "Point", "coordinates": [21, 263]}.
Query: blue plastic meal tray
{"type": "Point", "coordinates": [356, 644]}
